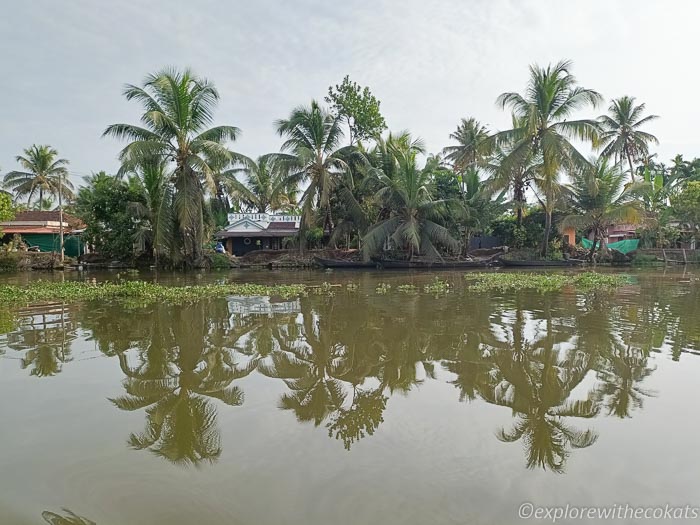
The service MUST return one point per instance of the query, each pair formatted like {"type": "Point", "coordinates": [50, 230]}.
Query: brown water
{"type": "Point", "coordinates": [361, 407]}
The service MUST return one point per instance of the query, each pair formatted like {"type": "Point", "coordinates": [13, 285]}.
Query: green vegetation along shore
{"type": "Point", "coordinates": [353, 184]}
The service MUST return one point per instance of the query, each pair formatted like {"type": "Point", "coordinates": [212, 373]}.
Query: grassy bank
{"type": "Point", "coordinates": [549, 282]}
{"type": "Point", "coordinates": [71, 291]}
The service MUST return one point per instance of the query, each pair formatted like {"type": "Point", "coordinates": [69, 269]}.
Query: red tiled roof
{"type": "Point", "coordinates": [47, 216]}
{"type": "Point", "coordinates": [10, 230]}
{"type": "Point", "coordinates": [282, 225]}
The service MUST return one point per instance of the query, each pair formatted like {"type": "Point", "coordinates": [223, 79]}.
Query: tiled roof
{"type": "Point", "coordinates": [47, 216]}
{"type": "Point", "coordinates": [282, 225]}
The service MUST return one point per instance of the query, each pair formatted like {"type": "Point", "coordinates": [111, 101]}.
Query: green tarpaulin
{"type": "Point", "coordinates": [49, 242]}
{"type": "Point", "coordinates": [625, 246]}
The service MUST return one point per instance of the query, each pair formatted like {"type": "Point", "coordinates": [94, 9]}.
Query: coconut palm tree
{"type": "Point", "coordinates": [600, 199]}
{"type": "Point", "coordinates": [178, 110]}
{"type": "Point", "coordinates": [413, 220]}
{"type": "Point", "coordinates": [152, 180]}
{"type": "Point", "coordinates": [622, 137]}
{"type": "Point", "coordinates": [473, 145]}
{"type": "Point", "coordinates": [44, 175]}
{"type": "Point", "coordinates": [266, 188]}
{"type": "Point", "coordinates": [544, 129]}
{"type": "Point", "coordinates": [311, 154]}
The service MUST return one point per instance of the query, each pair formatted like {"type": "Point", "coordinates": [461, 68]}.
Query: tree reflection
{"type": "Point", "coordinates": [553, 359]}
{"type": "Point", "coordinates": [177, 371]}
{"type": "Point", "coordinates": [68, 518]}
{"type": "Point", "coordinates": [44, 336]}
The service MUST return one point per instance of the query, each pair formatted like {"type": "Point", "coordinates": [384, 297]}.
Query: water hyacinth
{"type": "Point", "coordinates": [73, 291]}
{"type": "Point", "coordinates": [545, 282]}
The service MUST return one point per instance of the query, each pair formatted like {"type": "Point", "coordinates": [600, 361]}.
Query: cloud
{"type": "Point", "coordinates": [430, 62]}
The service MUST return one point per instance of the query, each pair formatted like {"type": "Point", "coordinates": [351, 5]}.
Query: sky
{"type": "Point", "coordinates": [65, 63]}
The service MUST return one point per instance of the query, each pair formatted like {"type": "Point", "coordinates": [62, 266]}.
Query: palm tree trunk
{"type": "Point", "coordinates": [547, 228]}
{"type": "Point", "coordinates": [518, 197]}
{"type": "Point", "coordinates": [629, 159]}
{"type": "Point", "coordinates": [595, 241]}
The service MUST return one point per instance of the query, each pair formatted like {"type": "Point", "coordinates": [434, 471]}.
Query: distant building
{"type": "Point", "coordinates": [257, 231]}
{"type": "Point", "coordinates": [41, 230]}
{"type": "Point", "coordinates": [621, 232]}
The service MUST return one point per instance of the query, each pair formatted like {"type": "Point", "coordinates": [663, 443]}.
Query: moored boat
{"type": "Point", "coordinates": [540, 263]}
{"type": "Point", "coordinates": [432, 265]}
{"type": "Point", "coordinates": [341, 263]}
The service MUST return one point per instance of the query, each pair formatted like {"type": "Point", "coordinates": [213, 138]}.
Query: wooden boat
{"type": "Point", "coordinates": [340, 263]}
{"type": "Point", "coordinates": [431, 265]}
{"type": "Point", "coordinates": [542, 263]}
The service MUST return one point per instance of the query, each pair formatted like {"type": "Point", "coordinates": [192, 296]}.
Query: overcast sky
{"type": "Point", "coordinates": [429, 62]}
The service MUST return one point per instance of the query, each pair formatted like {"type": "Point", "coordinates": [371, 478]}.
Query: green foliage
{"type": "Point", "coordinates": [598, 199]}
{"type": "Point", "coordinates": [543, 130]}
{"type": "Point", "coordinates": [414, 219]}
{"type": "Point", "coordinates": [382, 288]}
{"type": "Point", "coordinates": [686, 205]}
{"type": "Point", "coordinates": [314, 236]}
{"type": "Point", "coordinates": [527, 235]}
{"type": "Point", "coordinates": [472, 146]}
{"type": "Point", "coordinates": [358, 107]}
{"type": "Point", "coordinates": [542, 282]}
{"type": "Point", "coordinates": [146, 292]}
{"type": "Point", "coordinates": [8, 262]}
{"type": "Point", "coordinates": [313, 155]}
{"type": "Point", "coordinates": [43, 175]}
{"type": "Point", "coordinates": [220, 261]}
{"type": "Point", "coordinates": [643, 259]}
{"type": "Point", "coordinates": [7, 210]}
{"type": "Point", "coordinates": [103, 204]}
{"type": "Point", "coordinates": [658, 236]}
{"type": "Point", "coordinates": [178, 110]}
{"type": "Point", "coordinates": [437, 287]}
{"type": "Point", "coordinates": [621, 137]}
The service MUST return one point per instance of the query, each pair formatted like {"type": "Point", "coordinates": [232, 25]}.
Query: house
{"type": "Point", "coordinates": [258, 231]}
{"type": "Point", "coordinates": [621, 232]}
{"type": "Point", "coordinates": [41, 229]}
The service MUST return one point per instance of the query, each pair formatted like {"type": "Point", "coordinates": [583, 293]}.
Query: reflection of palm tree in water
{"type": "Point", "coordinates": [336, 375]}
{"type": "Point", "coordinates": [68, 518]}
{"type": "Point", "coordinates": [177, 375]}
{"type": "Point", "coordinates": [532, 375]}
{"type": "Point", "coordinates": [619, 339]}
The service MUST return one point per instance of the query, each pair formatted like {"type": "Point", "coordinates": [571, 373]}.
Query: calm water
{"type": "Point", "coordinates": [355, 408]}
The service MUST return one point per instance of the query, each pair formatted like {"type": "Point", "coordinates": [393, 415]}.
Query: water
{"type": "Point", "coordinates": [361, 407]}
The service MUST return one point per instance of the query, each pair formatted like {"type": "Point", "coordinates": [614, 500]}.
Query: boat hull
{"type": "Point", "coordinates": [337, 263]}
{"type": "Point", "coordinates": [540, 264]}
{"type": "Point", "coordinates": [433, 265]}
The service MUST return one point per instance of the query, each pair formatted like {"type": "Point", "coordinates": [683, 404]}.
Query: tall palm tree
{"type": "Point", "coordinates": [599, 199]}
{"type": "Point", "coordinates": [621, 137]}
{"type": "Point", "coordinates": [45, 175]}
{"type": "Point", "coordinates": [266, 188]}
{"type": "Point", "coordinates": [543, 129]}
{"type": "Point", "coordinates": [413, 217]}
{"type": "Point", "coordinates": [473, 145]}
{"type": "Point", "coordinates": [312, 155]}
{"type": "Point", "coordinates": [178, 108]}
